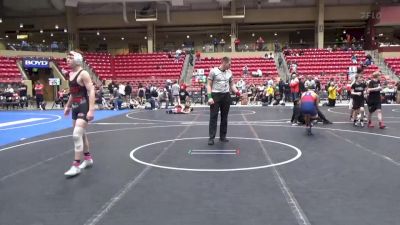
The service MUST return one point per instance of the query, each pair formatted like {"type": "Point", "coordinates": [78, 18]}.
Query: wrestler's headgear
{"type": "Point", "coordinates": [77, 58]}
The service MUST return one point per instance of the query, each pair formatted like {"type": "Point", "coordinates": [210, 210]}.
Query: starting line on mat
{"type": "Point", "coordinates": [214, 152]}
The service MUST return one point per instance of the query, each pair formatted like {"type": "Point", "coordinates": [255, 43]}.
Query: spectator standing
{"type": "Point", "coordinates": [222, 43]}
{"type": "Point", "coordinates": [332, 93]}
{"type": "Point", "coordinates": [39, 89]}
{"type": "Point", "coordinates": [237, 43]}
{"type": "Point", "coordinates": [121, 89]}
{"type": "Point", "coordinates": [198, 56]}
{"type": "Point", "coordinates": [22, 89]}
{"type": "Point", "coordinates": [140, 94]}
{"type": "Point", "coordinates": [168, 89]}
{"type": "Point", "coordinates": [294, 87]}
{"type": "Point", "coordinates": [354, 58]}
{"type": "Point", "coordinates": [280, 61]}
{"type": "Point", "coordinates": [260, 43]}
{"type": "Point", "coordinates": [175, 93]}
{"type": "Point", "coordinates": [245, 70]}
{"type": "Point", "coordinates": [215, 43]}
{"type": "Point", "coordinates": [128, 92]}
{"type": "Point", "coordinates": [398, 92]}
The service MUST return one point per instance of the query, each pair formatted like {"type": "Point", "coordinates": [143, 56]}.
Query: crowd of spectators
{"type": "Point", "coordinates": [41, 47]}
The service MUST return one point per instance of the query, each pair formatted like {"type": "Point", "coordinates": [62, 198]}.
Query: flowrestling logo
{"type": "Point", "coordinates": [36, 63]}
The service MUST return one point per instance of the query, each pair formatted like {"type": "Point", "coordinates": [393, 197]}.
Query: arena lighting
{"type": "Point", "coordinates": [1, 20]}
{"type": "Point", "coordinates": [145, 37]}
{"type": "Point", "coordinates": [211, 36]}
{"type": "Point", "coordinates": [41, 31]}
{"type": "Point", "coordinates": [122, 38]}
{"type": "Point", "coordinates": [6, 36]}
{"type": "Point", "coordinates": [380, 35]}
{"type": "Point", "coordinates": [44, 41]}
{"type": "Point", "coordinates": [21, 25]}
{"type": "Point", "coordinates": [344, 31]}
{"type": "Point", "coordinates": [276, 34]}
{"type": "Point", "coordinates": [98, 33]}
{"type": "Point", "coordinates": [253, 34]}
{"type": "Point", "coordinates": [104, 38]}
{"type": "Point", "coordinates": [51, 34]}
{"type": "Point", "coordinates": [187, 36]}
{"type": "Point", "coordinates": [65, 30]}
{"type": "Point", "coordinates": [56, 26]}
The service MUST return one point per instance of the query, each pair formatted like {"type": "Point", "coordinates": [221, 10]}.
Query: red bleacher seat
{"type": "Point", "coordinates": [9, 71]}
{"type": "Point", "coordinates": [394, 65]}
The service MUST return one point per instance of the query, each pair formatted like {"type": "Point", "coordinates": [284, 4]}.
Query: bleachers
{"type": "Point", "coordinates": [267, 67]}
{"type": "Point", "coordinates": [101, 63]}
{"type": "Point", "coordinates": [394, 65]}
{"type": "Point", "coordinates": [147, 68]}
{"type": "Point", "coordinates": [62, 64]}
{"type": "Point", "coordinates": [9, 71]}
{"type": "Point", "coordinates": [314, 62]}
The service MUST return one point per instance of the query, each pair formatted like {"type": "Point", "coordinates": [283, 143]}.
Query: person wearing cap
{"type": "Point", "coordinates": [220, 84]}
{"type": "Point", "coordinates": [82, 104]}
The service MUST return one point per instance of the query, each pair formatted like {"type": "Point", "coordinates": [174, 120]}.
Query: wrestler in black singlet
{"type": "Point", "coordinates": [80, 99]}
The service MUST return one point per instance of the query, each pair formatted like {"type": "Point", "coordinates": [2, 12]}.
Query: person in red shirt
{"type": "Point", "coordinates": [260, 44]}
{"type": "Point", "coordinates": [237, 43]}
{"type": "Point", "coordinates": [198, 56]}
{"type": "Point", "coordinates": [183, 86]}
{"type": "Point", "coordinates": [39, 95]}
{"type": "Point", "coordinates": [294, 87]}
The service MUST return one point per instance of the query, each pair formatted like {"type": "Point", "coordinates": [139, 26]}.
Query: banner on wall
{"type": "Point", "coordinates": [35, 63]}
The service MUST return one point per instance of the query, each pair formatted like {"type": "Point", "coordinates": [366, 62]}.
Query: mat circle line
{"type": "Point", "coordinates": [342, 113]}
{"type": "Point", "coordinates": [132, 155]}
{"type": "Point", "coordinates": [57, 117]}
{"type": "Point", "coordinates": [183, 125]}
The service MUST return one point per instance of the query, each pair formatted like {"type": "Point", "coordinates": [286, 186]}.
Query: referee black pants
{"type": "Point", "coordinates": [222, 102]}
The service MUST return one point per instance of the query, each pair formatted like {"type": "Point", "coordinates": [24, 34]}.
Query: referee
{"type": "Point", "coordinates": [219, 85]}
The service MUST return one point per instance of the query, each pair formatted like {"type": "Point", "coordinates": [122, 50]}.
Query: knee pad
{"type": "Point", "coordinates": [77, 136]}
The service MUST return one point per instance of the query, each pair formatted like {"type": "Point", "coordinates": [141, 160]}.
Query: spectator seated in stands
{"type": "Point", "coordinates": [368, 60]}
{"type": "Point", "coordinates": [178, 55]}
{"type": "Point", "coordinates": [354, 58]}
{"type": "Point", "coordinates": [257, 73]}
{"type": "Point", "coordinates": [245, 70]}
